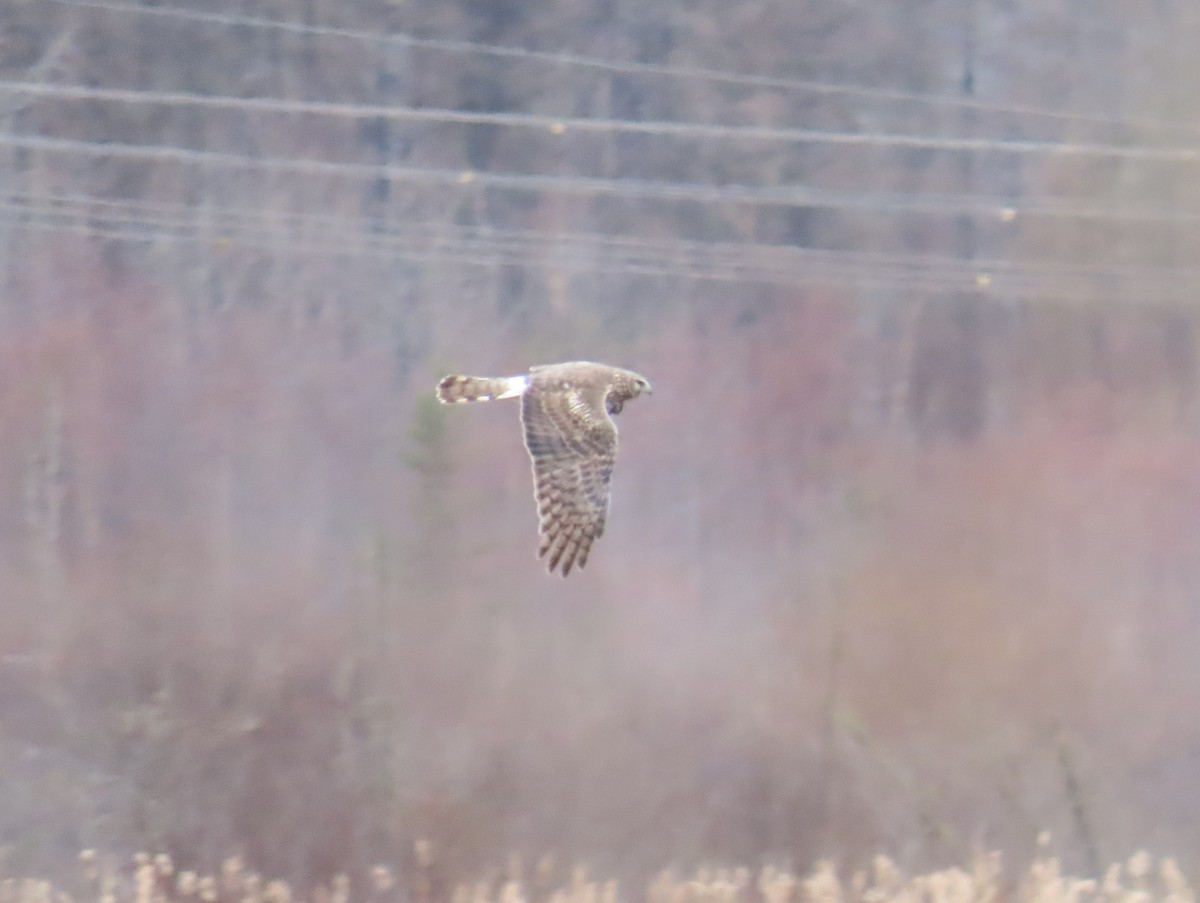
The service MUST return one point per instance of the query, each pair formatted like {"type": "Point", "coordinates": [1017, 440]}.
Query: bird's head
{"type": "Point", "coordinates": [625, 385]}
{"type": "Point", "coordinates": [630, 385]}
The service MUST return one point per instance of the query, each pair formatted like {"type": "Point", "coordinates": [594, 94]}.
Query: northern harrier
{"type": "Point", "coordinates": [571, 438]}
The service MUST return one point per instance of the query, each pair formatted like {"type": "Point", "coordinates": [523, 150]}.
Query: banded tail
{"type": "Point", "coordinates": [455, 389]}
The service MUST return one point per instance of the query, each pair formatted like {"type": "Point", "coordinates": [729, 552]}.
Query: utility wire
{"type": "Point", "coordinates": [219, 218]}
{"type": "Point", "coordinates": [560, 126]}
{"type": "Point", "coordinates": [856, 280]}
{"type": "Point", "coordinates": [749, 264]}
{"type": "Point", "coordinates": [689, 73]}
{"type": "Point", "coordinates": [1002, 209]}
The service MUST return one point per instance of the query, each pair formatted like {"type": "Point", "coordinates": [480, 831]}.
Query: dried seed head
{"type": "Point", "coordinates": [206, 889]}
{"type": "Point", "coordinates": [1178, 889]}
{"type": "Point", "coordinates": [340, 888]}
{"type": "Point", "coordinates": [185, 884]}
{"type": "Point", "coordinates": [823, 885]}
{"type": "Point", "coordinates": [144, 881]}
{"type": "Point", "coordinates": [661, 888]}
{"type": "Point", "coordinates": [252, 889]}
{"type": "Point", "coordinates": [887, 875]}
{"type": "Point", "coordinates": [1139, 865]}
{"type": "Point", "coordinates": [278, 892]}
{"type": "Point", "coordinates": [382, 879]}
{"type": "Point", "coordinates": [90, 864]}
{"type": "Point", "coordinates": [1111, 882]}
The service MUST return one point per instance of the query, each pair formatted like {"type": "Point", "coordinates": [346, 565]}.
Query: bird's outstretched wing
{"type": "Point", "coordinates": [573, 443]}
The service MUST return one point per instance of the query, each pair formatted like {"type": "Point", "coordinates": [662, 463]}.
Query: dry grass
{"type": "Point", "coordinates": [154, 879]}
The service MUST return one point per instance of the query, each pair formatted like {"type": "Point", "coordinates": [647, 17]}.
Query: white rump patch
{"type": "Point", "coordinates": [516, 385]}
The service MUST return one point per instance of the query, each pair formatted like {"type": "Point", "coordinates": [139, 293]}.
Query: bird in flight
{"type": "Point", "coordinates": [566, 415]}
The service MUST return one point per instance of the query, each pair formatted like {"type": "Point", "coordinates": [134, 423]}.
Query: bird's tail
{"type": "Point", "coordinates": [454, 389]}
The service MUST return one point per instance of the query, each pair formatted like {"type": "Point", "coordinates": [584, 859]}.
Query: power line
{"type": "Point", "coordinates": [561, 126]}
{"type": "Point", "coordinates": [228, 229]}
{"type": "Point", "coordinates": [857, 281]}
{"type": "Point", "coordinates": [690, 73]}
{"type": "Point", "coordinates": [1003, 209]}
{"type": "Point", "coordinates": [444, 251]}
{"type": "Point", "coordinates": [225, 218]}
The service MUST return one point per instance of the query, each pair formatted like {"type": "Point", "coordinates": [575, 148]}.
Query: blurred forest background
{"type": "Point", "coordinates": [902, 553]}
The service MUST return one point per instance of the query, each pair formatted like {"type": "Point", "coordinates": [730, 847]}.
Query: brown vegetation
{"type": "Point", "coordinates": [155, 879]}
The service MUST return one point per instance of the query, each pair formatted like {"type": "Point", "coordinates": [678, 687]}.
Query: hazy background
{"type": "Point", "coordinates": [902, 554]}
